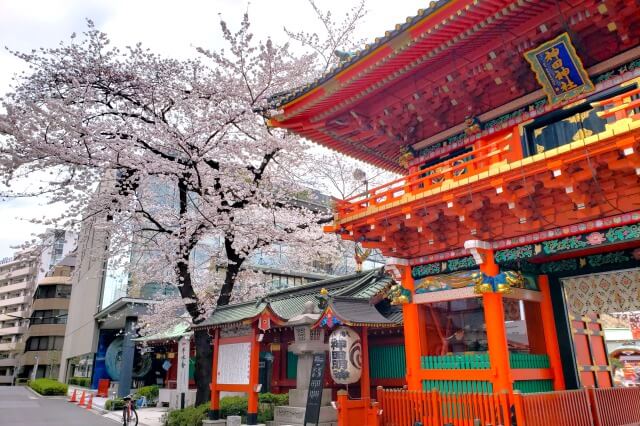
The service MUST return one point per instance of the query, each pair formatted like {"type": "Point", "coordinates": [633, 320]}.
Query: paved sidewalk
{"type": "Point", "coordinates": [150, 416]}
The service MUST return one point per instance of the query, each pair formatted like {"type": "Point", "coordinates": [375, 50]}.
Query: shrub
{"type": "Point", "coordinates": [229, 406]}
{"type": "Point", "coordinates": [48, 387]}
{"type": "Point", "coordinates": [265, 414]}
{"type": "Point", "coordinates": [114, 404]}
{"type": "Point", "coordinates": [190, 416]}
{"type": "Point", "coordinates": [80, 381]}
{"type": "Point", "coordinates": [274, 398]}
{"type": "Point", "coordinates": [149, 392]}
{"type": "Point", "coordinates": [233, 406]}
{"type": "Point", "coordinates": [268, 402]}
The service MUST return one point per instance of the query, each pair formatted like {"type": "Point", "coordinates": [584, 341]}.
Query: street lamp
{"type": "Point", "coordinates": [35, 368]}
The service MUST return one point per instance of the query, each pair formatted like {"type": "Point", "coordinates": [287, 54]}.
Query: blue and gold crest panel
{"type": "Point", "coordinates": [559, 70]}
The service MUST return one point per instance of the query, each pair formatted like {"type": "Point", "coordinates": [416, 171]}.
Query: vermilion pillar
{"type": "Point", "coordinates": [550, 334]}
{"type": "Point", "coordinates": [214, 413]}
{"type": "Point", "coordinates": [496, 331]}
{"type": "Point", "coordinates": [497, 339]}
{"type": "Point", "coordinates": [412, 332]}
{"type": "Point", "coordinates": [365, 379]}
{"type": "Point", "coordinates": [254, 365]}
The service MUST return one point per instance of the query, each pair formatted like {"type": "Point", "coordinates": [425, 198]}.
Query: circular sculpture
{"type": "Point", "coordinates": [345, 356]}
{"type": "Point", "coordinates": [113, 361]}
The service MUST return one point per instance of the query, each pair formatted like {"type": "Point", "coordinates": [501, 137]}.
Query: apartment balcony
{"type": "Point", "coordinates": [18, 300]}
{"type": "Point", "coordinates": [7, 331]}
{"type": "Point", "coordinates": [17, 272]}
{"type": "Point", "coordinates": [12, 315]}
{"type": "Point", "coordinates": [15, 287]}
{"type": "Point", "coordinates": [7, 362]}
{"type": "Point", "coordinates": [12, 347]}
{"type": "Point", "coordinates": [496, 189]}
{"type": "Point", "coordinates": [54, 303]}
{"type": "Point", "coordinates": [47, 330]}
{"type": "Point", "coordinates": [55, 280]}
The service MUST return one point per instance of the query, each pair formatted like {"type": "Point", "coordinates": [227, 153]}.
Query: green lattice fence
{"type": "Point", "coordinates": [473, 361]}
{"type": "Point", "coordinates": [292, 365]}
{"type": "Point", "coordinates": [533, 386]}
{"type": "Point", "coordinates": [523, 360]}
{"type": "Point", "coordinates": [458, 386]}
{"type": "Point", "coordinates": [387, 362]}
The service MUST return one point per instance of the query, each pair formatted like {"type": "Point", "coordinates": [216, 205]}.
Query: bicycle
{"type": "Point", "coordinates": [129, 414]}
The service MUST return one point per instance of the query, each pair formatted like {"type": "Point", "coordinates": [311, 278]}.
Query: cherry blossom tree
{"type": "Point", "coordinates": [170, 157]}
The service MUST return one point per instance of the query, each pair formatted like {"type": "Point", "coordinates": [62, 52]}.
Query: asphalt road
{"type": "Point", "coordinates": [21, 407]}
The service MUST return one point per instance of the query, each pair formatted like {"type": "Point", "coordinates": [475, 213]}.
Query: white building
{"type": "Point", "coordinates": [18, 277]}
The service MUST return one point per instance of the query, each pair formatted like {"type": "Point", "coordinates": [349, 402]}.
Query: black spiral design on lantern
{"type": "Point", "coordinates": [355, 354]}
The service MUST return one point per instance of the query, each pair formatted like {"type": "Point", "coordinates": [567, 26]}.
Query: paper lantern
{"type": "Point", "coordinates": [345, 356]}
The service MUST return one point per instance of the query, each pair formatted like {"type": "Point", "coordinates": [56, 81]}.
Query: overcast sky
{"type": "Point", "coordinates": [169, 27]}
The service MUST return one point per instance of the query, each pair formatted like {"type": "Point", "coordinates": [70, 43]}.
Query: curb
{"type": "Point", "coordinates": [45, 396]}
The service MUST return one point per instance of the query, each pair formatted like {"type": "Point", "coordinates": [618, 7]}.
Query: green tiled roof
{"type": "Point", "coordinates": [234, 313]}
{"type": "Point", "coordinates": [290, 302]}
{"type": "Point", "coordinates": [176, 332]}
{"type": "Point", "coordinates": [355, 311]}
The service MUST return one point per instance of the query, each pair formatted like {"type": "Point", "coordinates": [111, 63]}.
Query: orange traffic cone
{"type": "Point", "coordinates": [90, 402]}
{"type": "Point", "coordinates": [73, 397]}
{"type": "Point", "coordinates": [81, 403]}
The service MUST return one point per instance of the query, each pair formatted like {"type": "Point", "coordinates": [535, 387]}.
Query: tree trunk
{"type": "Point", "coordinates": [204, 359]}
{"type": "Point", "coordinates": [204, 352]}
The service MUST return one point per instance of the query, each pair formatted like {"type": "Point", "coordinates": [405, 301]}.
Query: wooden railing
{"type": "Point", "coordinates": [616, 406]}
{"type": "Point", "coordinates": [565, 408]}
{"type": "Point", "coordinates": [405, 408]}
{"type": "Point", "coordinates": [583, 407]}
{"type": "Point", "coordinates": [618, 108]}
{"type": "Point", "coordinates": [458, 167]}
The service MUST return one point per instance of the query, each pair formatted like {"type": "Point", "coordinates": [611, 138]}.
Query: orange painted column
{"type": "Point", "coordinates": [412, 332]}
{"type": "Point", "coordinates": [497, 339]}
{"type": "Point", "coordinates": [365, 379]}
{"type": "Point", "coordinates": [496, 331]}
{"type": "Point", "coordinates": [550, 333]}
{"type": "Point", "coordinates": [254, 365]}
{"type": "Point", "coordinates": [214, 414]}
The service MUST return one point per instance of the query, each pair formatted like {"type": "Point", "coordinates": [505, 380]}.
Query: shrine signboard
{"type": "Point", "coordinates": [559, 70]}
{"type": "Point", "coordinates": [233, 363]}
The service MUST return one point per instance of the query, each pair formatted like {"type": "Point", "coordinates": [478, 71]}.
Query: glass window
{"type": "Point", "coordinates": [515, 325]}
{"type": "Point", "coordinates": [53, 291]}
{"type": "Point", "coordinates": [456, 326]}
{"type": "Point", "coordinates": [32, 345]}
{"type": "Point", "coordinates": [63, 291]}
{"type": "Point", "coordinates": [54, 316]}
{"type": "Point", "coordinates": [57, 343]}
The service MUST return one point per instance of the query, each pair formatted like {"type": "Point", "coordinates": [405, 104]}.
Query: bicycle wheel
{"type": "Point", "coordinates": [129, 417]}
{"type": "Point", "coordinates": [133, 419]}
